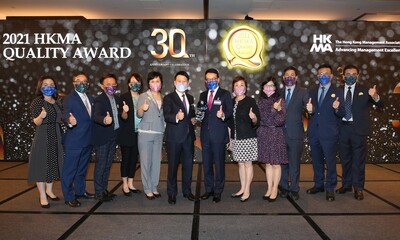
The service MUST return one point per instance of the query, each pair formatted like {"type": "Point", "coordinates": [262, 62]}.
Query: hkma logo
{"type": "Point", "coordinates": [322, 43]}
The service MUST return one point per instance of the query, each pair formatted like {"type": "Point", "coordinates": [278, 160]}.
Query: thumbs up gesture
{"type": "Point", "coordinates": [373, 93]}
{"type": "Point", "coordinates": [125, 107]}
{"type": "Point", "coordinates": [309, 106]}
{"type": "Point", "coordinates": [180, 115]}
{"type": "Point", "coordinates": [220, 113]}
{"type": "Point", "coordinates": [336, 103]}
{"type": "Point", "coordinates": [108, 119]}
{"type": "Point", "coordinates": [278, 105]}
{"type": "Point", "coordinates": [72, 119]}
{"type": "Point", "coordinates": [251, 114]}
{"type": "Point", "coordinates": [43, 113]}
{"type": "Point", "coordinates": [145, 106]}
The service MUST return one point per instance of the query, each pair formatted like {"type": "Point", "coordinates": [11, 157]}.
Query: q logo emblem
{"type": "Point", "coordinates": [244, 46]}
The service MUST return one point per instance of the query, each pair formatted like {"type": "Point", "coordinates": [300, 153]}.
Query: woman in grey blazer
{"type": "Point", "coordinates": [151, 130]}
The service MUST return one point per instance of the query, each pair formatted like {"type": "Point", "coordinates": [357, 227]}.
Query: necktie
{"type": "Point", "coordinates": [87, 105]}
{"type": "Point", "coordinates": [210, 99]}
{"type": "Point", "coordinates": [347, 104]}
{"type": "Point", "coordinates": [184, 102]}
{"type": "Point", "coordinates": [288, 96]}
{"type": "Point", "coordinates": [321, 96]}
{"type": "Point", "coordinates": [115, 112]}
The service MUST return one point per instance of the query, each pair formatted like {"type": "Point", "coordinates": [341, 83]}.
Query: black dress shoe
{"type": "Point", "coordinates": [73, 203]}
{"type": "Point", "coordinates": [44, 205]}
{"type": "Point", "coordinates": [172, 200]}
{"type": "Point", "coordinates": [233, 195]}
{"type": "Point", "coordinates": [294, 195]}
{"type": "Point", "coordinates": [150, 197]}
{"type": "Point", "coordinates": [343, 190]}
{"type": "Point", "coordinates": [272, 199]}
{"type": "Point", "coordinates": [54, 198]}
{"type": "Point", "coordinates": [265, 197]}
{"type": "Point", "coordinates": [217, 198]}
{"type": "Point", "coordinates": [314, 190]}
{"type": "Point", "coordinates": [110, 194]}
{"type": "Point", "coordinates": [85, 195]}
{"type": "Point", "coordinates": [103, 197]}
{"type": "Point", "coordinates": [330, 196]}
{"type": "Point", "coordinates": [189, 196]}
{"type": "Point", "coordinates": [135, 190]}
{"type": "Point", "coordinates": [283, 193]}
{"type": "Point", "coordinates": [359, 195]}
{"type": "Point", "coordinates": [206, 195]}
{"type": "Point", "coordinates": [128, 194]}
{"type": "Point", "coordinates": [157, 195]}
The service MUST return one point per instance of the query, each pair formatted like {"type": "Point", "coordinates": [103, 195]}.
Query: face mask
{"type": "Point", "coordinates": [110, 90]}
{"type": "Point", "coordinates": [350, 79]}
{"type": "Point", "coordinates": [289, 81]}
{"type": "Point", "coordinates": [155, 87]}
{"type": "Point", "coordinates": [324, 79]}
{"type": "Point", "coordinates": [181, 87]}
{"type": "Point", "coordinates": [81, 87]}
{"type": "Point", "coordinates": [269, 90]}
{"type": "Point", "coordinates": [240, 91]}
{"type": "Point", "coordinates": [135, 87]}
{"type": "Point", "coordinates": [212, 85]}
{"type": "Point", "coordinates": [48, 90]}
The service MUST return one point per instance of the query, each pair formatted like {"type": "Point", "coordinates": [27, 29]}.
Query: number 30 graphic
{"type": "Point", "coordinates": [170, 46]}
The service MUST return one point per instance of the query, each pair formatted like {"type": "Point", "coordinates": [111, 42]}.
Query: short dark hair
{"type": "Point", "coordinates": [237, 79]}
{"type": "Point", "coordinates": [212, 70]}
{"type": "Point", "coordinates": [183, 73]}
{"type": "Point", "coordinates": [38, 91]}
{"type": "Point", "coordinates": [79, 73]}
{"type": "Point", "coordinates": [153, 75]}
{"type": "Point", "coordinates": [291, 68]}
{"type": "Point", "coordinates": [325, 65]}
{"type": "Point", "coordinates": [108, 75]}
{"type": "Point", "coordinates": [276, 94]}
{"type": "Point", "coordinates": [350, 66]}
{"type": "Point", "coordinates": [138, 77]}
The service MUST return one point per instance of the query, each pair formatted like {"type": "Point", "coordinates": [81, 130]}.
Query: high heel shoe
{"type": "Point", "coordinates": [272, 199]}
{"type": "Point", "coordinates": [157, 195]}
{"type": "Point", "coordinates": [44, 205]}
{"type": "Point", "coordinates": [244, 199]}
{"type": "Point", "coordinates": [54, 198]}
{"type": "Point", "coordinates": [265, 197]}
{"type": "Point", "coordinates": [150, 197]}
{"type": "Point", "coordinates": [128, 194]}
{"type": "Point", "coordinates": [234, 195]}
{"type": "Point", "coordinates": [135, 190]}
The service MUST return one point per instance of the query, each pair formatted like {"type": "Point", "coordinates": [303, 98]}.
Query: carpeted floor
{"type": "Point", "coordinates": [310, 217]}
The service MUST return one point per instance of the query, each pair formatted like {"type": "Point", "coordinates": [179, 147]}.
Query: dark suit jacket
{"type": "Point", "coordinates": [242, 125]}
{"type": "Point", "coordinates": [215, 128]}
{"type": "Point", "coordinates": [294, 112]}
{"type": "Point", "coordinates": [127, 135]}
{"type": "Point", "coordinates": [178, 131]}
{"type": "Point", "coordinates": [103, 133]}
{"type": "Point", "coordinates": [324, 122]}
{"type": "Point", "coordinates": [80, 135]}
{"type": "Point", "coordinates": [360, 109]}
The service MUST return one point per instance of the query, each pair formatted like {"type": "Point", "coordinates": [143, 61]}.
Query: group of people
{"type": "Point", "coordinates": [268, 130]}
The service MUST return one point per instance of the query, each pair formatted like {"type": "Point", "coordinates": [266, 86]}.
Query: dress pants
{"type": "Point", "coordinates": [130, 156]}
{"type": "Point", "coordinates": [73, 178]}
{"type": "Point", "coordinates": [324, 150]}
{"type": "Point", "coordinates": [150, 160]}
{"type": "Point", "coordinates": [213, 153]}
{"type": "Point", "coordinates": [353, 156]}
{"type": "Point", "coordinates": [180, 152]}
{"type": "Point", "coordinates": [292, 169]}
{"type": "Point", "coordinates": [104, 158]}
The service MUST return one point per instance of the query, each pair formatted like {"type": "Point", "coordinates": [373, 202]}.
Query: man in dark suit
{"type": "Point", "coordinates": [354, 129]}
{"type": "Point", "coordinates": [326, 111]}
{"type": "Point", "coordinates": [179, 135]}
{"type": "Point", "coordinates": [77, 114]}
{"type": "Point", "coordinates": [214, 134]}
{"type": "Point", "coordinates": [105, 132]}
{"type": "Point", "coordinates": [296, 99]}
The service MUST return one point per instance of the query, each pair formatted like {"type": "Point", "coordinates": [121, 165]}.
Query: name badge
{"type": "Point", "coordinates": [217, 102]}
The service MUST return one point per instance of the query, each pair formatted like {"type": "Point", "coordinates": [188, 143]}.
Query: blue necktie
{"type": "Point", "coordinates": [288, 96]}
{"type": "Point", "coordinates": [321, 96]}
{"type": "Point", "coordinates": [347, 104]}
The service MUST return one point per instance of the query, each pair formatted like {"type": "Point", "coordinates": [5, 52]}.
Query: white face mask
{"type": "Point", "coordinates": [181, 87]}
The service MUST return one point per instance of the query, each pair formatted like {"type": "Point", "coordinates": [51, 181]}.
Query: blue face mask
{"type": "Point", "coordinates": [48, 90]}
{"type": "Point", "coordinates": [212, 85]}
{"type": "Point", "coordinates": [350, 80]}
{"type": "Point", "coordinates": [324, 79]}
{"type": "Point", "coordinates": [81, 87]}
{"type": "Point", "coordinates": [135, 87]}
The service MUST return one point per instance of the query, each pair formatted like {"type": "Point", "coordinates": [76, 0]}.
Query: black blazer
{"type": "Point", "coordinates": [103, 133]}
{"type": "Point", "coordinates": [127, 135]}
{"type": "Point", "coordinates": [211, 125]}
{"type": "Point", "coordinates": [241, 124]}
{"type": "Point", "coordinates": [360, 109]}
{"type": "Point", "coordinates": [178, 131]}
{"type": "Point", "coordinates": [294, 112]}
